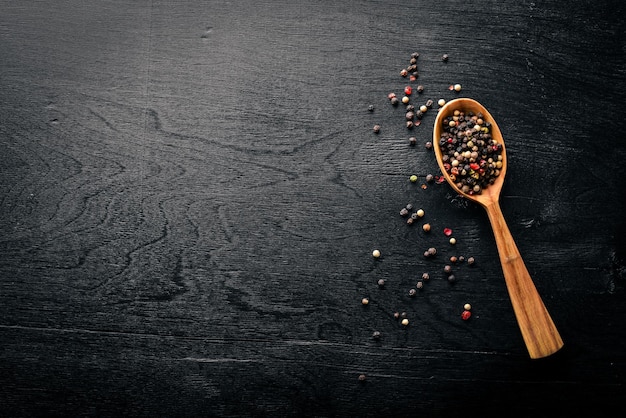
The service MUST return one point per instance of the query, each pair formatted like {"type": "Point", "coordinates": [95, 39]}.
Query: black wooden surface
{"type": "Point", "coordinates": [191, 193]}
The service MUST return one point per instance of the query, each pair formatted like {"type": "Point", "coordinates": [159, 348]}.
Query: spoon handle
{"type": "Point", "coordinates": [538, 330]}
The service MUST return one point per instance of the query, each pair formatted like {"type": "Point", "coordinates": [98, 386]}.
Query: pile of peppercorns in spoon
{"type": "Point", "coordinates": [471, 156]}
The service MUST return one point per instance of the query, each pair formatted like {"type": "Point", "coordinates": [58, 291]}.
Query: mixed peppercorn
{"type": "Point", "coordinates": [471, 156]}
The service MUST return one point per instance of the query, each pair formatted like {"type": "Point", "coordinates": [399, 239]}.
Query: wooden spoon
{"type": "Point", "coordinates": [539, 332]}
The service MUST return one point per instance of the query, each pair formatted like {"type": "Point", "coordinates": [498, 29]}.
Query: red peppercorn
{"type": "Point", "coordinates": [408, 90]}
{"type": "Point", "coordinates": [466, 315]}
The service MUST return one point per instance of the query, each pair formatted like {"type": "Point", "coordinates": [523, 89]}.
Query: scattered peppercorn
{"type": "Point", "coordinates": [444, 57]}
{"type": "Point", "coordinates": [441, 102]}
{"type": "Point", "coordinates": [408, 90]}
{"type": "Point", "coordinates": [370, 108]}
{"type": "Point", "coordinates": [396, 315]}
{"type": "Point", "coordinates": [412, 141]}
{"type": "Point", "coordinates": [394, 101]}
{"type": "Point", "coordinates": [447, 268]}
{"type": "Point", "coordinates": [381, 282]}
{"type": "Point", "coordinates": [365, 301]}
{"type": "Point", "coordinates": [404, 72]}
{"type": "Point", "coordinates": [451, 278]}
{"type": "Point", "coordinates": [452, 241]}
{"type": "Point", "coordinates": [428, 145]}
{"type": "Point", "coordinates": [457, 87]}
{"type": "Point", "coordinates": [419, 285]}
{"type": "Point", "coordinates": [426, 227]}
{"type": "Point", "coordinates": [420, 89]}
{"type": "Point", "coordinates": [467, 307]}
{"type": "Point", "coordinates": [420, 213]}
{"type": "Point", "coordinates": [470, 261]}
{"type": "Point", "coordinates": [405, 99]}
{"type": "Point", "coordinates": [362, 378]}
{"type": "Point", "coordinates": [429, 178]}
{"type": "Point", "coordinates": [404, 212]}
{"type": "Point", "coordinates": [405, 322]}
{"type": "Point", "coordinates": [376, 253]}
{"type": "Point", "coordinates": [466, 315]}
{"type": "Point", "coordinates": [413, 178]}
{"type": "Point", "coordinates": [432, 251]}
{"type": "Point", "coordinates": [425, 276]}
{"type": "Point", "coordinates": [412, 292]}
{"type": "Point", "coordinates": [376, 129]}
{"type": "Point", "coordinates": [376, 335]}
{"type": "Point", "coordinates": [453, 259]}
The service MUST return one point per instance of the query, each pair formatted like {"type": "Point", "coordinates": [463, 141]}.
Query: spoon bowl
{"type": "Point", "coordinates": [538, 330]}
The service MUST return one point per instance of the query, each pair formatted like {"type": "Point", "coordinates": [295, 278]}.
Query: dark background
{"type": "Point", "coordinates": [190, 193]}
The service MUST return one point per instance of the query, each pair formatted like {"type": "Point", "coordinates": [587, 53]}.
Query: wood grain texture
{"type": "Point", "coordinates": [190, 193]}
